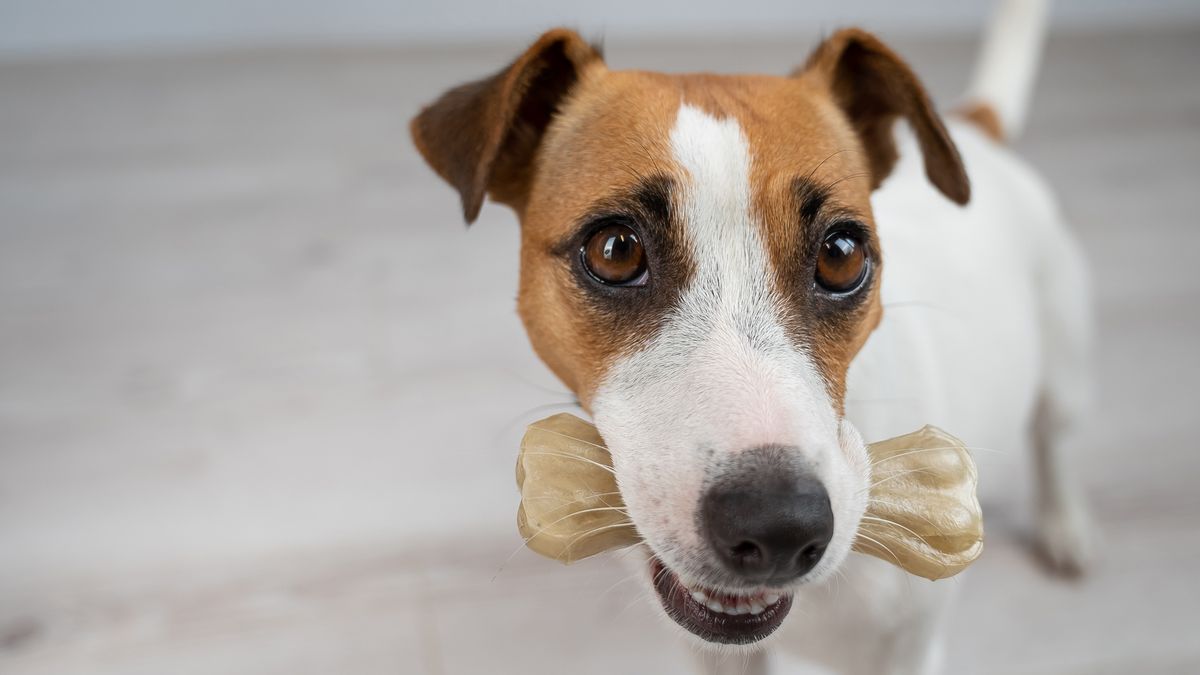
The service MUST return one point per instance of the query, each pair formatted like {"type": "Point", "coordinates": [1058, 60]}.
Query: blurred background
{"type": "Point", "coordinates": [261, 391]}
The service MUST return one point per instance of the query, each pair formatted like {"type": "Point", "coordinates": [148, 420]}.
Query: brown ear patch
{"type": "Point", "coordinates": [482, 136]}
{"type": "Point", "coordinates": [873, 86]}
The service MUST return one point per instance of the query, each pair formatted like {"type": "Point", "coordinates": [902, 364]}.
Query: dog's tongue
{"type": "Point", "coordinates": [923, 515]}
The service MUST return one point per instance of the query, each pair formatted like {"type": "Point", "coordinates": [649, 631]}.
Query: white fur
{"type": "Point", "coordinates": [722, 376]}
{"type": "Point", "coordinates": [1008, 61]}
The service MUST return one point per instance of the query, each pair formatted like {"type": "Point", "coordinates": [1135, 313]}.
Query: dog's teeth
{"type": "Point", "coordinates": [736, 605]}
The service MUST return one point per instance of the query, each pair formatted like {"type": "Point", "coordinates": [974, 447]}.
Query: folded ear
{"type": "Point", "coordinates": [482, 136]}
{"type": "Point", "coordinates": [873, 87]}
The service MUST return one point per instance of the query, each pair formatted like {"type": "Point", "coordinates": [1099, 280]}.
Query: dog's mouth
{"type": "Point", "coordinates": [719, 616]}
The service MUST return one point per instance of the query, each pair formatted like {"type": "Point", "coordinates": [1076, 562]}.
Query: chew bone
{"type": "Point", "coordinates": [923, 514]}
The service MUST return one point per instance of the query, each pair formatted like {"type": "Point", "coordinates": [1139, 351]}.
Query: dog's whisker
{"type": "Point", "coordinates": [596, 509]}
{"type": "Point", "coordinates": [893, 476]}
{"type": "Point", "coordinates": [908, 453]}
{"type": "Point", "coordinates": [639, 597]}
{"type": "Point", "coordinates": [623, 580]}
{"type": "Point", "coordinates": [525, 380]}
{"type": "Point", "coordinates": [594, 494]}
{"type": "Point", "coordinates": [596, 530]}
{"type": "Point", "coordinates": [525, 541]}
{"type": "Point", "coordinates": [861, 174]}
{"type": "Point", "coordinates": [854, 590]}
{"type": "Point", "coordinates": [530, 411]}
{"type": "Point", "coordinates": [875, 500]}
{"type": "Point", "coordinates": [574, 501]}
{"type": "Point", "coordinates": [879, 544]}
{"type": "Point", "coordinates": [838, 577]}
{"type": "Point", "coordinates": [576, 457]}
{"type": "Point", "coordinates": [569, 437]}
{"type": "Point", "coordinates": [813, 172]}
{"type": "Point", "coordinates": [972, 448]}
{"type": "Point", "coordinates": [562, 505]}
{"type": "Point", "coordinates": [625, 523]}
{"type": "Point", "coordinates": [892, 523]}
{"type": "Point", "coordinates": [917, 451]}
{"type": "Point", "coordinates": [659, 575]}
{"type": "Point", "coordinates": [629, 605]}
{"type": "Point", "coordinates": [507, 560]}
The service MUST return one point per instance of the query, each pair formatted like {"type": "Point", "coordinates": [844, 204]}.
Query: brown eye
{"type": "Point", "coordinates": [613, 255]}
{"type": "Point", "coordinates": [842, 262]}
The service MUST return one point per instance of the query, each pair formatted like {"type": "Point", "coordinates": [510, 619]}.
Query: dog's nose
{"type": "Point", "coordinates": [768, 526]}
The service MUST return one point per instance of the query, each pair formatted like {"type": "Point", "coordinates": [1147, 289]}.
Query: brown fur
{"type": "Point", "coordinates": [829, 124]}
{"type": "Point", "coordinates": [983, 116]}
{"type": "Point", "coordinates": [482, 136]}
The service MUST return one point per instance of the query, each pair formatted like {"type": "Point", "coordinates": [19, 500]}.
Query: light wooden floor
{"type": "Point", "coordinates": [260, 391]}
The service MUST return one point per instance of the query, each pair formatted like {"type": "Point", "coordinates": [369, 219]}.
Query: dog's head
{"type": "Point", "coordinates": [699, 265]}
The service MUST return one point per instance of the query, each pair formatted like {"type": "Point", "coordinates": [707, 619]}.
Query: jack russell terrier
{"type": "Point", "coordinates": [719, 268]}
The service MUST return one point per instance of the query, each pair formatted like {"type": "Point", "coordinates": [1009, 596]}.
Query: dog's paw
{"type": "Point", "coordinates": [1066, 538]}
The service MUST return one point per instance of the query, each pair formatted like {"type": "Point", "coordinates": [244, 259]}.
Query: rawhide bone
{"type": "Point", "coordinates": [923, 515]}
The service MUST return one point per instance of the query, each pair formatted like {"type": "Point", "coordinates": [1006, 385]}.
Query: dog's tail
{"type": "Point", "coordinates": [998, 97]}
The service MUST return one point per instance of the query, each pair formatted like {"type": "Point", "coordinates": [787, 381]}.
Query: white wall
{"type": "Point", "coordinates": [35, 26]}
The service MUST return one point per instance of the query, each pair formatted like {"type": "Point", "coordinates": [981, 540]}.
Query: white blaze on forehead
{"type": "Point", "coordinates": [731, 260]}
{"type": "Point", "coordinates": [717, 208]}
{"type": "Point", "coordinates": [731, 300]}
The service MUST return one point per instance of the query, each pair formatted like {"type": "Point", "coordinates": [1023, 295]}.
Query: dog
{"type": "Point", "coordinates": [738, 275]}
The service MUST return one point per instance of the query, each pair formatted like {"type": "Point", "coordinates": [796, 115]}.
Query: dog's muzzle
{"type": "Point", "coordinates": [766, 521]}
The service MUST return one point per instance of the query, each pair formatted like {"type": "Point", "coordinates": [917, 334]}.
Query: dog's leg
{"type": "Point", "coordinates": [1064, 532]}
{"type": "Point", "coordinates": [918, 645]}
{"type": "Point", "coordinates": [754, 663]}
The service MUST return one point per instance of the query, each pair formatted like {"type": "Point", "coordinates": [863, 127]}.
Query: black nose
{"type": "Point", "coordinates": [769, 525]}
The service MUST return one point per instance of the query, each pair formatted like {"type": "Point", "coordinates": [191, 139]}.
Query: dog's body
{"type": "Point", "coordinates": [739, 275]}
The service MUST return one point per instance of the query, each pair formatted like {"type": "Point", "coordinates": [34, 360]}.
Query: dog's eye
{"type": "Point", "coordinates": [842, 262]}
{"type": "Point", "coordinates": [614, 256]}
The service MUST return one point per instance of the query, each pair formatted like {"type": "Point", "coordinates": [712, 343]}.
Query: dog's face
{"type": "Point", "coordinates": [699, 265]}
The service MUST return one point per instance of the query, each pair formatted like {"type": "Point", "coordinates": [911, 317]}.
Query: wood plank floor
{"type": "Point", "coordinates": [260, 390]}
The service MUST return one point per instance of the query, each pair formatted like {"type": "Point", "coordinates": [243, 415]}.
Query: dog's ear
{"type": "Point", "coordinates": [481, 137]}
{"type": "Point", "coordinates": [873, 87]}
